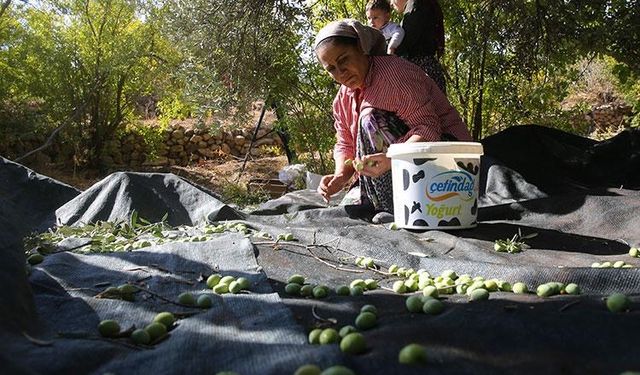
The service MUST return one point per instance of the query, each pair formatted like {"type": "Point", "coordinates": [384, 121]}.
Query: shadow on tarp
{"type": "Point", "coordinates": [508, 334]}
{"type": "Point", "coordinates": [546, 239]}
{"type": "Point", "coordinates": [251, 333]}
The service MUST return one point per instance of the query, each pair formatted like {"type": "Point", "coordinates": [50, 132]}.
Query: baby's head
{"type": "Point", "coordinates": [378, 13]}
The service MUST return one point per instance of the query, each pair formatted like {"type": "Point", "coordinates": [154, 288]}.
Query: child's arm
{"type": "Point", "coordinates": [396, 38]}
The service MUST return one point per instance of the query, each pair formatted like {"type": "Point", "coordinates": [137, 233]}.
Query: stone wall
{"type": "Point", "coordinates": [609, 116]}
{"type": "Point", "coordinates": [181, 146]}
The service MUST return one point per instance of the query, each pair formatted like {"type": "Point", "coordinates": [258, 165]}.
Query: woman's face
{"type": "Point", "coordinates": [399, 5]}
{"type": "Point", "coordinates": [346, 64]}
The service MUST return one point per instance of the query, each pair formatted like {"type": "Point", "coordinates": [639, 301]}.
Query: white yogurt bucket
{"type": "Point", "coordinates": [435, 184]}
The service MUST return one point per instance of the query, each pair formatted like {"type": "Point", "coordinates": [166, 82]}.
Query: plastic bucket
{"type": "Point", "coordinates": [435, 184]}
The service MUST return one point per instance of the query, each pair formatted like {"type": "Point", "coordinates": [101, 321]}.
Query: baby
{"type": "Point", "coordinates": [378, 16]}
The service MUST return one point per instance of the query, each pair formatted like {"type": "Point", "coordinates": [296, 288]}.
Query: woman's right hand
{"type": "Point", "coordinates": [331, 184]}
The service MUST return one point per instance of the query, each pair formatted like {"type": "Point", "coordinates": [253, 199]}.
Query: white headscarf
{"type": "Point", "coordinates": [371, 40]}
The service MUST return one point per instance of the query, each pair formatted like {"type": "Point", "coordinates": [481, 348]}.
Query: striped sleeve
{"type": "Point", "coordinates": [345, 144]}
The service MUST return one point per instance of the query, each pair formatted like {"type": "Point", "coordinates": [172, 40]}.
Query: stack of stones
{"type": "Point", "coordinates": [185, 146]}
{"type": "Point", "coordinates": [610, 116]}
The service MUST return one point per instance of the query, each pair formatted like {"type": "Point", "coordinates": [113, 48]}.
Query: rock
{"type": "Point", "coordinates": [239, 140]}
{"type": "Point", "coordinates": [195, 139]}
{"type": "Point", "coordinates": [177, 149]}
{"type": "Point", "coordinates": [161, 160]}
{"type": "Point", "coordinates": [206, 137]}
{"type": "Point", "coordinates": [189, 133]}
{"type": "Point", "coordinates": [177, 134]}
{"type": "Point", "coordinates": [225, 148]}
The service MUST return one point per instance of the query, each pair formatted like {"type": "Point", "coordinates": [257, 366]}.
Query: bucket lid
{"type": "Point", "coordinates": [398, 149]}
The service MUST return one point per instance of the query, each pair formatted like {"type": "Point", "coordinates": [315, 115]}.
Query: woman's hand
{"type": "Point", "coordinates": [375, 165]}
{"type": "Point", "coordinates": [331, 184]}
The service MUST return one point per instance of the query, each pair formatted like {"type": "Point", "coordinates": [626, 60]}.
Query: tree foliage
{"type": "Point", "coordinates": [87, 59]}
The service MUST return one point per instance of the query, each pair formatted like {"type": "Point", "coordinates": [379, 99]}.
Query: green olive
{"type": "Point", "coordinates": [368, 262]}
{"type": "Point", "coordinates": [319, 292]}
{"type": "Point", "coordinates": [186, 298]}
{"type": "Point", "coordinates": [127, 289]}
{"type": "Point", "coordinates": [366, 320]}
{"type": "Point", "coordinates": [356, 290]}
{"type": "Point", "coordinates": [369, 308]}
{"type": "Point", "coordinates": [314, 336]}
{"type": "Point", "coordinates": [412, 354]}
{"type": "Point", "coordinates": [140, 337]}
{"type": "Point", "coordinates": [634, 252]}
{"type": "Point", "coordinates": [213, 280]}
{"type": "Point", "coordinates": [433, 306]}
{"type": "Point", "coordinates": [393, 226]}
{"type": "Point", "coordinates": [411, 285]}
{"type": "Point", "coordinates": [346, 330]}
{"type": "Point", "coordinates": [399, 287]}
{"type": "Point", "coordinates": [109, 328]}
{"type": "Point", "coordinates": [221, 289]}
{"type": "Point", "coordinates": [605, 265]}
{"type": "Point", "coordinates": [401, 271]}
{"type": "Point", "coordinates": [156, 330]}
{"type": "Point", "coordinates": [504, 286]}
{"type": "Point", "coordinates": [165, 318]}
{"type": "Point", "coordinates": [34, 259]}
{"type": "Point", "coordinates": [204, 301]}
{"type": "Point", "coordinates": [329, 336]}
{"type": "Point", "coordinates": [461, 288]}
{"type": "Point", "coordinates": [235, 287]}
{"type": "Point", "coordinates": [111, 291]}
{"type": "Point", "coordinates": [244, 283]}
{"type": "Point", "coordinates": [296, 279]}
{"type": "Point", "coordinates": [306, 290]}
{"type": "Point", "coordinates": [479, 294]}
{"type": "Point", "coordinates": [617, 302]}
{"type": "Point", "coordinates": [289, 237]}
{"type": "Point", "coordinates": [393, 268]}
{"type": "Point", "coordinates": [491, 285]}
{"type": "Point", "coordinates": [520, 288]}
{"type": "Point", "coordinates": [308, 370]}
{"type": "Point", "coordinates": [343, 290]}
{"type": "Point", "coordinates": [292, 289]}
{"type": "Point", "coordinates": [450, 274]}
{"type": "Point", "coordinates": [572, 289]}
{"type": "Point", "coordinates": [545, 290]}
{"type": "Point", "coordinates": [227, 280]}
{"type": "Point", "coordinates": [337, 370]}
{"type": "Point", "coordinates": [358, 165]}
{"type": "Point", "coordinates": [358, 282]}
{"type": "Point", "coordinates": [353, 343]}
{"type": "Point", "coordinates": [595, 265]}
{"type": "Point", "coordinates": [618, 264]}
{"type": "Point", "coordinates": [371, 284]}
{"type": "Point", "coordinates": [348, 162]}
{"type": "Point", "coordinates": [414, 304]}
{"type": "Point", "coordinates": [430, 291]}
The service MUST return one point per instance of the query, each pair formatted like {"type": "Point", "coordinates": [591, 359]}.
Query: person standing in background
{"type": "Point", "coordinates": [378, 17]}
{"type": "Point", "coordinates": [423, 42]}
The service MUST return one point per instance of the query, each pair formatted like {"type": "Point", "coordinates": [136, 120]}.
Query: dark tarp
{"type": "Point", "coordinates": [579, 195]}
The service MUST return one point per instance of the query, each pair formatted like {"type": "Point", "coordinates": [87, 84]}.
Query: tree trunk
{"type": "Point", "coordinates": [282, 133]}
{"type": "Point", "coordinates": [477, 115]}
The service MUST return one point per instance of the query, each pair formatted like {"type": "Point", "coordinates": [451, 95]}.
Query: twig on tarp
{"type": "Point", "coordinates": [277, 243]}
{"type": "Point", "coordinates": [318, 317]}
{"type": "Point", "coordinates": [568, 305]}
{"type": "Point", "coordinates": [36, 341]}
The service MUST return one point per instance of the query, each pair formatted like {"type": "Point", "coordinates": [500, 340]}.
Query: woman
{"type": "Point", "coordinates": [382, 100]}
{"type": "Point", "coordinates": [423, 44]}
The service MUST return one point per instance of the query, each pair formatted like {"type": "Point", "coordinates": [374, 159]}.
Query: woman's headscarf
{"type": "Point", "coordinates": [371, 40]}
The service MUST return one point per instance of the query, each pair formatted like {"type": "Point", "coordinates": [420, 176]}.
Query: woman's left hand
{"type": "Point", "coordinates": [375, 165]}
